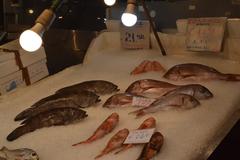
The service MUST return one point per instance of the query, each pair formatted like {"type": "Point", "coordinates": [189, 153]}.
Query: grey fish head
{"type": "Point", "coordinates": [106, 88]}
{"type": "Point", "coordinates": [22, 154]}
{"type": "Point", "coordinates": [202, 92]}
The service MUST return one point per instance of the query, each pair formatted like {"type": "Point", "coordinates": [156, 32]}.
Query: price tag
{"type": "Point", "coordinates": [142, 102]}
{"type": "Point", "coordinates": [136, 37]}
{"type": "Point", "coordinates": [205, 34]}
{"type": "Point", "coordinates": [139, 136]}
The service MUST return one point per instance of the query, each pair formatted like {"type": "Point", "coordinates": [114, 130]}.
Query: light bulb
{"type": "Point", "coordinates": [109, 2]}
{"type": "Point", "coordinates": [129, 19]}
{"type": "Point", "coordinates": [30, 41]}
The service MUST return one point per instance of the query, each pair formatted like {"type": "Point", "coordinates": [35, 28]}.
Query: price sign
{"type": "Point", "coordinates": [141, 101]}
{"type": "Point", "coordinates": [205, 34]}
{"type": "Point", "coordinates": [136, 37]}
{"type": "Point", "coordinates": [139, 136]}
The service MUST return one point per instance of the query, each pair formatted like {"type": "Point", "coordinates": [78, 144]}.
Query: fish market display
{"type": "Point", "coordinates": [106, 127]}
{"type": "Point", "coordinates": [196, 90]}
{"type": "Point", "coordinates": [57, 116]}
{"type": "Point", "coordinates": [152, 148]}
{"type": "Point", "coordinates": [99, 87]}
{"type": "Point", "coordinates": [175, 101]}
{"type": "Point", "coordinates": [115, 142]}
{"type": "Point", "coordinates": [147, 66]}
{"type": "Point", "coordinates": [81, 99]}
{"type": "Point", "coordinates": [150, 86]}
{"type": "Point", "coordinates": [198, 72]}
{"type": "Point", "coordinates": [18, 154]}
{"type": "Point", "coordinates": [147, 124]}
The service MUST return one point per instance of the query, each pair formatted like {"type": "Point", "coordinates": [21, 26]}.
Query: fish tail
{"type": "Point", "coordinates": [139, 114]}
{"type": "Point", "coordinates": [76, 144]}
{"type": "Point", "coordinates": [135, 112]}
{"type": "Point", "coordinates": [24, 114]}
{"type": "Point", "coordinates": [231, 77]}
{"type": "Point", "coordinates": [100, 155]}
{"type": "Point", "coordinates": [124, 148]}
{"type": "Point", "coordinates": [19, 132]}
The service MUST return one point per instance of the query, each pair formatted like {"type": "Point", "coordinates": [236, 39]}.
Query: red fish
{"type": "Point", "coordinates": [106, 127]}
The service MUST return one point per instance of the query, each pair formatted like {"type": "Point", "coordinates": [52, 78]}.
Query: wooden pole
{"type": "Point", "coordinates": [153, 28]}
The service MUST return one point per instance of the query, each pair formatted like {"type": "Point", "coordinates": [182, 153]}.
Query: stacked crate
{"type": "Point", "coordinates": [20, 68]}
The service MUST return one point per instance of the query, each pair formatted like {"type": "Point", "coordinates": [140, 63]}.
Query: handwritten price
{"type": "Point", "coordinates": [139, 136]}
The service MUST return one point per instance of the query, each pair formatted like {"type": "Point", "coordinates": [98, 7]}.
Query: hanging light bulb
{"type": "Point", "coordinates": [129, 17]}
{"type": "Point", "coordinates": [109, 2]}
{"type": "Point", "coordinates": [31, 40]}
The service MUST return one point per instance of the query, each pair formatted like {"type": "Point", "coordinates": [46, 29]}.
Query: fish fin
{"type": "Point", "coordinates": [136, 111]}
{"type": "Point", "coordinates": [124, 148]}
{"type": "Point", "coordinates": [19, 132]}
{"type": "Point", "coordinates": [3, 148]}
{"type": "Point", "coordinates": [230, 77]}
{"type": "Point", "coordinates": [76, 144]}
{"type": "Point", "coordinates": [140, 114]}
{"type": "Point", "coordinates": [24, 114]}
{"type": "Point", "coordinates": [100, 155]}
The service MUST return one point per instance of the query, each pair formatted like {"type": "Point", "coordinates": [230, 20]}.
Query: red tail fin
{"type": "Point", "coordinates": [231, 77]}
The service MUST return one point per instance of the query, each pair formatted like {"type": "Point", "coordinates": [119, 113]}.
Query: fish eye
{"type": "Point", "coordinates": [34, 154]}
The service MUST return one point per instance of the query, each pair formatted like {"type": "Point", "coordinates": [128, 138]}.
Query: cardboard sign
{"type": "Point", "coordinates": [139, 136]}
{"type": "Point", "coordinates": [141, 101]}
{"type": "Point", "coordinates": [136, 37]}
{"type": "Point", "coordinates": [205, 34]}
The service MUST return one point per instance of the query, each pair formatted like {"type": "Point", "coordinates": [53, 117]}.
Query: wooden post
{"type": "Point", "coordinates": [153, 28]}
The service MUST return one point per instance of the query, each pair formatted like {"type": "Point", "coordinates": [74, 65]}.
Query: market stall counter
{"type": "Point", "coordinates": [188, 134]}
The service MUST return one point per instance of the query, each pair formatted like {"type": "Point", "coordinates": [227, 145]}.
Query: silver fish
{"type": "Point", "coordinates": [99, 87]}
{"type": "Point", "coordinates": [176, 101]}
{"type": "Point", "coordinates": [57, 116]}
{"type": "Point", "coordinates": [81, 99]}
{"type": "Point", "coordinates": [150, 86]}
{"type": "Point", "coordinates": [19, 154]}
{"type": "Point", "coordinates": [198, 72]}
{"type": "Point", "coordinates": [152, 148]}
{"type": "Point", "coordinates": [196, 90]}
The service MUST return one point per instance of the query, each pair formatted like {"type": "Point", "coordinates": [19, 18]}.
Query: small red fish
{"type": "Point", "coordinates": [115, 142]}
{"type": "Point", "coordinates": [106, 127]}
{"type": "Point", "coordinates": [152, 148]}
{"type": "Point", "coordinates": [148, 123]}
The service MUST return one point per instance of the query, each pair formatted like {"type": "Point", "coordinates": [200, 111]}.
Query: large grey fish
{"type": "Point", "coordinates": [18, 154]}
{"type": "Point", "coordinates": [57, 116]}
{"type": "Point", "coordinates": [152, 148]}
{"type": "Point", "coordinates": [196, 90]}
{"type": "Point", "coordinates": [147, 87]}
{"type": "Point", "coordinates": [175, 101]}
{"type": "Point", "coordinates": [198, 72]}
{"type": "Point", "coordinates": [99, 87]}
{"type": "Point", "coordinates": [81, 99]}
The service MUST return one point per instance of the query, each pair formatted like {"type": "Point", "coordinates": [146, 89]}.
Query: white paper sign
{"type": "Point", "coordinates": [205, 34]}
{"type": "Point", "coordinates": [139, 136]}
{"type": "Point", "coordinates": [142, 102]}
{"type": "Point", "coordinates": [136, 37]}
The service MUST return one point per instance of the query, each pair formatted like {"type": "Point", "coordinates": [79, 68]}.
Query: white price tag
{"type": "Point", "coordinates": [142, 102]}
{"type": "Point", "coordinates": [205, 34]}
{"type": "Point", "coordinates": [139, 136]}
{"type": "Point", "coordinates": [136, 37]}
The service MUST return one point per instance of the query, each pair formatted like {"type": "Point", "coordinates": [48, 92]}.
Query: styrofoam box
{"type": "Point", "coordinates": [8, 67]}
{"type": "Point", "coordinates": [11, 82]}
{"type": "Point", "coordinates": [37, 71]}
{"type": "Point", "coordinates": [29, 58]}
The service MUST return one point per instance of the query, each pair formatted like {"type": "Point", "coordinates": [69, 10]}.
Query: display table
{"type": "Point", "coordinates": [190, 134]}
